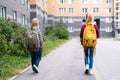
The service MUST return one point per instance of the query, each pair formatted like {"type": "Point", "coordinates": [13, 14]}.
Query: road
{"type": "Point", "coordinates": [64, 63]}
{"type": "Point", "coordinates": [67, 63]}
{"type": "Point", "coordinates": [107, 61]}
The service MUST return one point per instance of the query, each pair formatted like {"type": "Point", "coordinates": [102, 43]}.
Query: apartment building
{"type": "Point", "coordinates": [73, 12]}
{"type": "Point", "coordinates": [117, 17]}
{"type": "Point", "coordinates": [39, 10]}
{"type": "Point", "coordinates": [18, 10]}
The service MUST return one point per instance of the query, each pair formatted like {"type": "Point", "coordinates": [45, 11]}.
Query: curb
{"type": "Point", "coordinates": [96, 74]}
{"type": "Point", "coordinates": [12, 78]}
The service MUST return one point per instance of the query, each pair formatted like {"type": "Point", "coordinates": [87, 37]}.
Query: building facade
{"type": "Point", "coordinates": [117, 17]}
{"type": "Point", "coordinates": [39, 10]}
{"type": "Point", "coordinates": [18, 10]}
{"type": "Point", "coordinates": [73, 12]}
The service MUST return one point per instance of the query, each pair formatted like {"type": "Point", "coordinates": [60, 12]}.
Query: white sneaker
{"type": "Point", "coordinates": [86, 66]}
{"type": "Point", "coordinates": [90, 71]}
{"type": "Point", "coordinates": [86, 69]}
{"type": "Point", "coordinates": [35, 69]}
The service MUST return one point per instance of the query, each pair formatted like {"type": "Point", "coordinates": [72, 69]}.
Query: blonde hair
{"type": "Point", "coordinates": [89, 19]}
{"type": "Point", "coordinates": [86, 16]}
{"type": "Point", "coordinates": [34, 22]}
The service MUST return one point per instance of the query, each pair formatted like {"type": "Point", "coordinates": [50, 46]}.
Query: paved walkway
{"type": "Point", "coordinates": [64, 63]}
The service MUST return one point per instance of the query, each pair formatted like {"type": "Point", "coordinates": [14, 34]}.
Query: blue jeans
{"type": "Point", "coordinates": [36, 57]}
{"type": "Point", "coordinates": [89, 55]}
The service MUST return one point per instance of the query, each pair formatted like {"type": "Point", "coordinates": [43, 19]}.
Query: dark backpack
{"type": "Point", "coordinates": [32, 40]}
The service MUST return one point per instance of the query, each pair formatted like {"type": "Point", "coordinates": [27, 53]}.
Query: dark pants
{"type": "Point", "coordinates": [36, 57]}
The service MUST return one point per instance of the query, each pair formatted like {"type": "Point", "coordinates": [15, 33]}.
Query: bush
{"type": "Point", "coordinates": [54, 33]}
{"type": "Point", "coordinates": [50, 32]}
{"type": "Point", "coordinates": [12, 38]}
{"type": "Point", "coordinates": [62, 33]}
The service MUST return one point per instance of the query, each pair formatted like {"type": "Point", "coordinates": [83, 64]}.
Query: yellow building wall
{"type": "Point", "coordinates": [41, 3]}
{"type": "Point", "coordinates": [32, 1]}
{"type": "Point", "coordinates": [51, 7]}
{"type": "Point", "coordinates": [54, 5]}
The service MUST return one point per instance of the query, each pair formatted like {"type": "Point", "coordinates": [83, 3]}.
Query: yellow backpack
{"type": "Point", "coordinates": [89, 36]}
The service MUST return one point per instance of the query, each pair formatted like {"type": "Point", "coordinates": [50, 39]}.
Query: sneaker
{"type": "Point", "coordinates": [87, 71]}
{"type": "Point", "coordinates": [90, 72]}
{"type": "Point", "coordinates": [35, 69]}
{"type": "Point", "coordinates": [86, 66]}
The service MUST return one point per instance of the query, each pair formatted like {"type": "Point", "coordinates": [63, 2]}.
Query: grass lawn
{"type": "Point", "coordinates": [12, 65]}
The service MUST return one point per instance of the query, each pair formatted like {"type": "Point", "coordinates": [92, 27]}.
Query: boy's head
{"type": "Point", "coordinates": [34, 22]}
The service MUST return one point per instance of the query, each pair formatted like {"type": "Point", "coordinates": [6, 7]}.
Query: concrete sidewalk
{"type": "Point", "coordinates": [64, 63]}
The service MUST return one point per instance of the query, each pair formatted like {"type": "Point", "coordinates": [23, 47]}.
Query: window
{"type": "Point", "coordinates": [118, 32]}
{"type": "Point", "coordinates": [2, 11]}
{"type": "Point", "coordinates": [23, 20]}
{"type": "Point", "coordinates": [26, 21]}
{"type": "Point", "coordinates": [95, 10]}
{"type": "Point", "coordinates": [108, 29]}
{"type": "Point", "coordinates": [108, 10]}
{"type": "Point", "coordinates": [117, 8]}
{"type": "Point", "coordinates": [95, 1]}
{"type": "Point", "coordinates": [71, 1]}
{"type": "Point", "coordinates": [108, 1]}
{"type": "Point", "coordinates": [28, 5]}
{"type": "Point", "coordinates": [117, 24]}
{"type": "Point", "coordinates": [70, 20]}
{"type": "Point", "coordinates": [62, 1]}
{"type": "Point", "coordinates": [108, 20]}
{"type": "Point", "coordinates": [84, 1]}
{"type": "Point", "coordinates": [117, 13]}
{"type": "Point", "coordinates": [117, 4]}
{"type": "Point", "coordinates": [62, 10]}
{"type": "Point", "coordinates": [22, 1]}
{"type": "Point", "coordinates": [118, 17]}
{"type": "Point", "coordinates": [84, 10]}
{"type": "Point", "coordinates": [70, 28]}
{"type": "Point", "coordinates": [70, 10]}
{"type": "Point", "coordinates": [14, 15]}
{"type": "Point", "coordinates": [63, 19]}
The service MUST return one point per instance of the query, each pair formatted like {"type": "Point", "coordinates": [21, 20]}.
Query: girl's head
{"type": "Point", "coordinates": [89, 19]}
